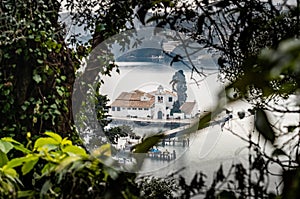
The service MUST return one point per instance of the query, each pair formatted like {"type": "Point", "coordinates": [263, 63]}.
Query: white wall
{"type": "Point", "coordinates": [194, 112]}
{"type": "Point", "coordinates": [170, 104]}
{"type": "Point", "coordinates": [178, 115]}
{"type": "Point", "coordinates": [160, 107]}
{"type": "Point", "coordinates": [124, 112]}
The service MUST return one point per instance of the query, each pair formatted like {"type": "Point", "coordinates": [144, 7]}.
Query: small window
{"type": "Point", "coordinates": [128, 108]}
{"type": "Point", "coordinates": [140, 108]}
{"type": "Point", "coordinates": [170, 99]}
{"type": "Point", "coordinates": [160, 99]}
{"type": "Point", "coordinates": [113, 108]}
{"type": "Point", "coordinates": [133, 108]}
{"type": "Point", "coordinates": [146, 109]}
{"type": "Point", "coordinates": [118, 109]}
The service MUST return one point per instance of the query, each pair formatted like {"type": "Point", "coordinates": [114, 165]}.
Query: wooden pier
{"type": "Point", "coordinates": [177, 137]}
{"type": "Point", "coordinates": [164, 156]}
{"type": "Point", "coordinates": [182, 142]}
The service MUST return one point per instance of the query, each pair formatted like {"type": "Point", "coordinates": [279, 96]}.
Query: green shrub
{"type": "Point", "coordinates": [52, 167]}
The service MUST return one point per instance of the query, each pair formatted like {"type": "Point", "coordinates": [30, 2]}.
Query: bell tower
{"type": "Point", "coordinates": [160, 104]}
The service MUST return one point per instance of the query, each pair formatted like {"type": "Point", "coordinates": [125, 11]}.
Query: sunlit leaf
{"type": "Point", "coordinates": [54, 136]}
{"type": "Point", "coordinates": [22, 148]}
{"type": "Point", "coordinates": [147, 143]}
{"type": "Point", "coordinates": [19, 161]}
{"type": "Point", "coordinates": [16, 162]}
{"type": "Point", "coordinates": [65, 141]}
{"type": "Point", "coordinates": [74, 150]}
{"type": "Point", "coordinates": [45, 141]}
{"type": "Point", "coordinates": [5, 147]}
{"type": "Point", "coordinates": [28, 165]}
{"type": "Point", "coordinates": [10, 139]}
{"type": "Point", "coordinates": [48, 147]}
{"type": "Point", "coordinates": [67, 161]}
{"type": "Point", "coordinates": [10, 171]}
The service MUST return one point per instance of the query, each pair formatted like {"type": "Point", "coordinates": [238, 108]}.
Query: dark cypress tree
{"type": "Point", "coordinates": [179, 86]}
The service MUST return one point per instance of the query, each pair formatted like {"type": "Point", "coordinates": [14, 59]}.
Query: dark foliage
{"type": "Point", "coordinates": [37, 70]}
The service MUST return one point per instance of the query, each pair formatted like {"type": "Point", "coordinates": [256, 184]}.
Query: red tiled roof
{"type": "Point", "coordinates": [133, 100]}
{"type": "Point", "coordinates": [165, 91]}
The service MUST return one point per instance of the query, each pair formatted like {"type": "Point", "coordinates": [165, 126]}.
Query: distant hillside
{"type": "Point", "coordinates": [153, 55]}
{"type": "Point", "coordinates": [144, 55]}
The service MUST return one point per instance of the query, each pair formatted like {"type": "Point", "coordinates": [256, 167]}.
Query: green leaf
{"type": "Point", "coordinates": [63, 77]}
{"type": "Point", "coordinates": [149, 142]}
{"type": "Point", "coordinates": [26, 194]}
{"type": "Point", "coordinates": [48, 168]}
{"type": "Point", "coordinates": [60, 93]}
{"type": "Point", "coordinates": [3, 159]}
{"type": "Point", "coordinates": [48, 147]}
{"type": "Point", "coordinates": [9, 139]}
{"type": "Point", "coordinates": [17, 145]}
{"type": "Point", "coordinates": [67, 161]}
{"type": "Point", "coordinates": [112, 173]}
{"type": "Point", "coordinates": [28, 165]}
{"type": "Point", "coordinates": [54, 136]}
{"type": "Point", "coordinates": [204, 120]}
{"type": "Point", "coordinates": [53, 106]}
{"type": "Point", "coordinates": [65, 141]}
{"type": "Point", "coordinates": [46, 186]}
{"type": "Point", "coordinates": [263, 126]}
{"type": "Point", "coordinates": [37, 78]}
{"type": "Point", "coordinates": [74, 150]}
{"type": "Point", "coordinates": [18, 51]}
{"type": "Point", "coordinates": [10, 171]}
{"type": "Point", "coordinates": [22, 148]}
{"type": "Point", "coordinates": [41, 142]}
{"type": "Point", "coordinates": [5, 147]}
{"type": "Point", "coordinates": [40, 61]}
{"type": "Point", "coordinates": [16, 162]}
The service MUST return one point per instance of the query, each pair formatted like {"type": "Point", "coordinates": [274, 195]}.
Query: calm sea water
{"type": "Point", "coordinates": [209, 148]}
